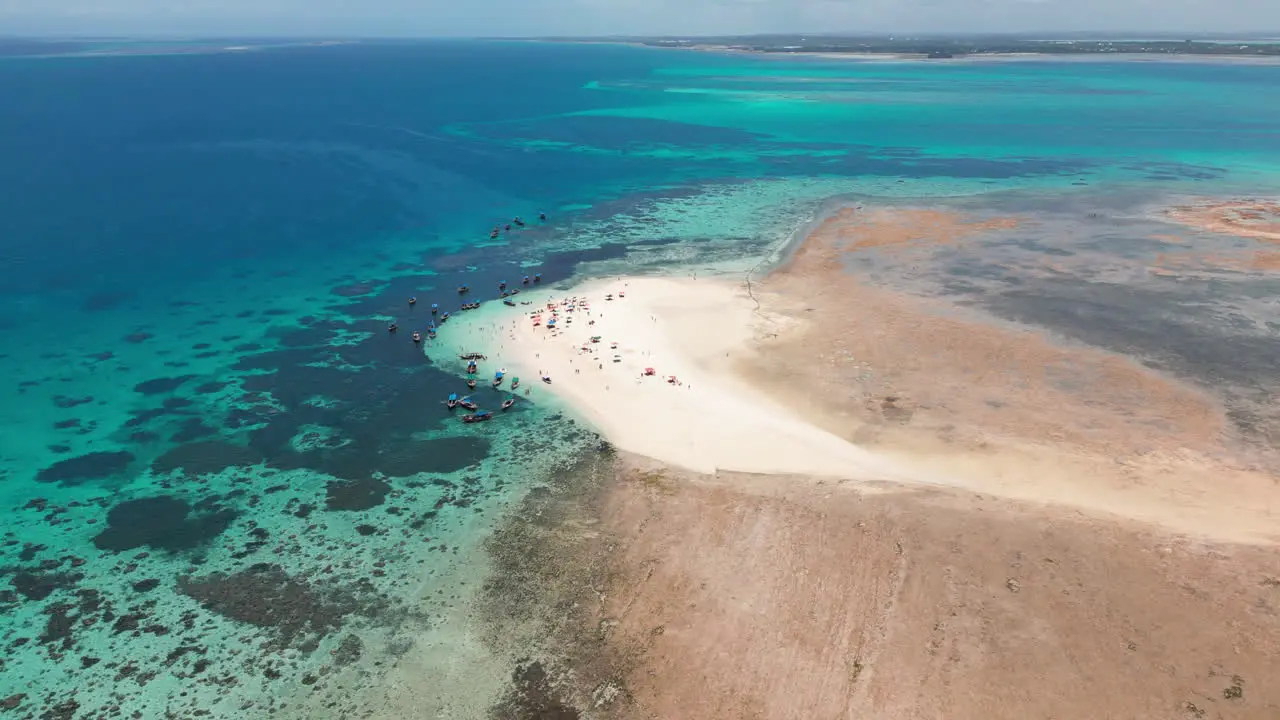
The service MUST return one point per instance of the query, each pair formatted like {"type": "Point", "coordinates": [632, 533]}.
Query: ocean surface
{"type": "Point", "coordinates": [227, 487]}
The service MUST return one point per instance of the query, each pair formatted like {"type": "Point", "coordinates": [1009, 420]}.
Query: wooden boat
{"type": "Point", "coordinates": [467, 403]}
{"type": "Point", "coordinates": [393, 327]}
{"type": "Point", "coordinates": [471, 384]}
{"type": "Point", "coordinates": [508, 303]}
{"type": "Point", "coordinates": [546, 379]}
{"type": "Point", "coordinates": [477, 417]}
{"type": "Point", "coordinates": [508, 403]}
{"type": "Point", "coordinates": [472, 356]}
{"type": "Point", "coordinates": [515, 383]}
{"type": "Point", "coordinates": [413, 301]}
{"type": "Point", "coordinates": [431, 334]}
{"type": "Point", "coordinates": [452, 402]}
{"type": "Point", "coordinates": [463, 289]}
{"type": "Point", "coordinates": [417, 337]}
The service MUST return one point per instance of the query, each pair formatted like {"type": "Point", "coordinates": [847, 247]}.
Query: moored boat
{"type": "Point", "coordinates": [508, 403]}
{"type": "Point", "coordinates": [468, 403]}
{"type": "Point", "coordinates": [477, 417]}
{"type": "Point", "coordinates": [471, 384]}
{"type": "Point", "coordinates": [452, 402]}
{"type": "Point", "coordinates": [417, 337]}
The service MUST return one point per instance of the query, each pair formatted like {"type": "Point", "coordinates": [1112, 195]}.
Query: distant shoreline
{"type": "Point", "coordinates": [1245, 58]}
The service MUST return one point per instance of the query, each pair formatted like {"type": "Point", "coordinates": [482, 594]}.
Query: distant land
{"type": "Point", "coordinates": [961, 46]}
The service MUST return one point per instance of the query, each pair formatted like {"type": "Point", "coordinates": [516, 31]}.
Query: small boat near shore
{"type": "Point", "coordinates": [515, 383]}
{"type": "Point", "coordinates": [468, 403]}
{"type": "Point", "coordinates": [417, 337]}
{"type": "Point", "coordinates": [546, 379]}
{"type": "Point", "coordinates": [471, 384]}
{"type": "Point", "coordinates": [452, 402]}
{"type": "Point", "coordinates": [508, 403]}
{"type": "Point", "coordinates": [477, 417]}
{"type": "Point", "coordinates": [508, 303]}
{"type": "Point", "coordinates": [472, 356]}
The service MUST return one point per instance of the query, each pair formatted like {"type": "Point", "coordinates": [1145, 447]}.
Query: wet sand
{"type": "Point", "coordinates": [1078, 534]}
{"type": "Point", "coordinates": [1259, 219]}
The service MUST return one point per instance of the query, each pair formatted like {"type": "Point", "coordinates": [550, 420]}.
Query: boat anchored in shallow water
{"type": "Point", "coordinates": [506, 404]}
{"type": "Point", "coordinates": [477, 417]}
{"type": "Point", "coordinates": [452, 402]}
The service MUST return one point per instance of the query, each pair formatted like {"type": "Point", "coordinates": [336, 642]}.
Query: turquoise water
{"type": "Point", "coordinates": [228, 487]}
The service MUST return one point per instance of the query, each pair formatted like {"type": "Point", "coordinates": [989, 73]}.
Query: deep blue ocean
{"type": "Point", "coordinates": [219, 472]}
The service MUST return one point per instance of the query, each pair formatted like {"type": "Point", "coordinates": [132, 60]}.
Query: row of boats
{"type": "Point", "coordinates": [498, 229]}
{"type": "Point", "coordinates": [442, 317]}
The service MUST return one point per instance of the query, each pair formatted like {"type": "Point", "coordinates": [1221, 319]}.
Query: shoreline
{"type": "Point", "coordinates": [728, 410]}
{"type": "Point", "coordinates": [1188, 58]}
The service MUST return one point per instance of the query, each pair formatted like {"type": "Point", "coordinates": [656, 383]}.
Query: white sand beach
{"type": "Point", "coordinates": [706, 419]}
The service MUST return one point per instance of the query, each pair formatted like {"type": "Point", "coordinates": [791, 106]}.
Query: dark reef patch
{"type": "Point", "coordinates": [138, 337]}
{"type": "Point", "coordinates": [176, 403]}
{"type": "Point", "coordinates": [105, 300]}
{"type": "Point", "coordinates": [34, 585]}
{"type": "Point", "coordinates": [162, 523]}
{"type": "Point", "coordinates": [355, 494]}
{"type": "Point", "coordinates": [442, 455]}
{"type": "Point", "coordinates": [142, 417]}
{"type": "Point", "coordinates": [192, 429]}
{"type": "Point", "coordinates": [156, 386]}
{"type": "Point", "coordinates": [265, 596]}
{"type": "Point", "coordinates": [204, 457]}
{"type": "Point", "coordinates": [212, 386]}
{"type": "Point", "coordinates": [65, 402]}
{"type": "Point", "coordinates": [354, 289]}
{"type": "Point", "coordinates": [90, 466]}
{"type": "Point", "coordinates": [533, 696]}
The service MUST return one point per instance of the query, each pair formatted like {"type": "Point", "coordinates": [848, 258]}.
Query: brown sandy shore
{"type": "Point", "coordinates": [653, 592]}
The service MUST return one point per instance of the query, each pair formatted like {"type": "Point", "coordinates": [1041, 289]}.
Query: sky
{"type": "Point", "coordinates": [431, 18]}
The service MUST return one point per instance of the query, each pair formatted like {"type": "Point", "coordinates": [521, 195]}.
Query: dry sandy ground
{"type": "Point", "coordinates": [906, 511]}
{"type": "Point", "coordinates": [806, 600]}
